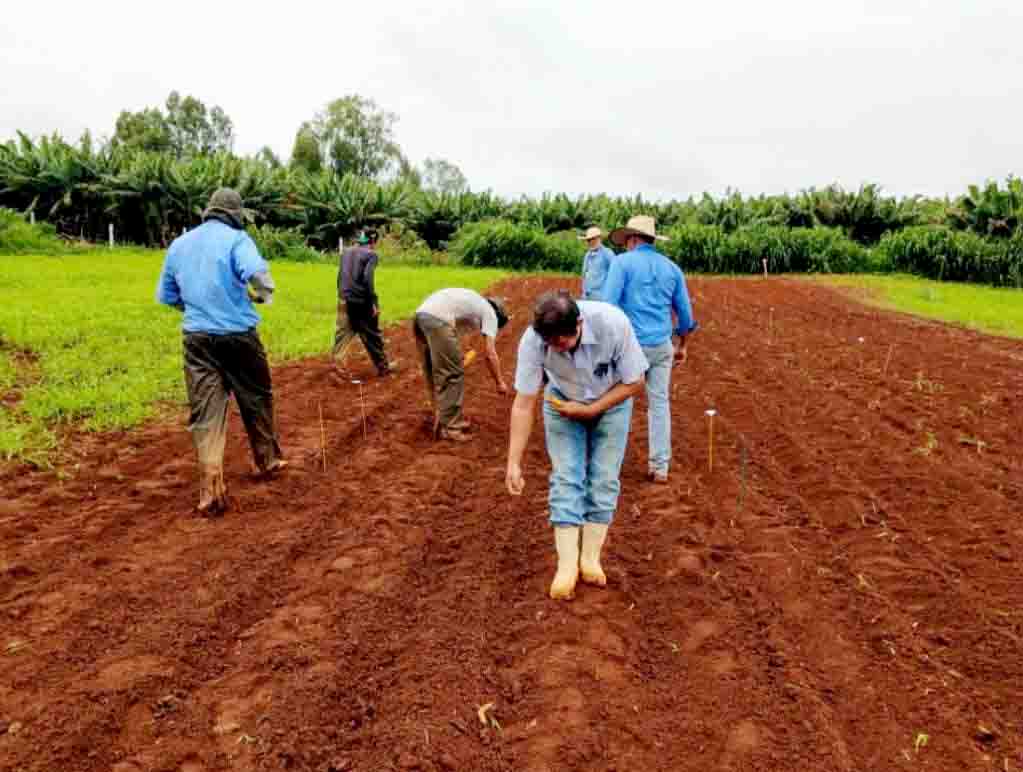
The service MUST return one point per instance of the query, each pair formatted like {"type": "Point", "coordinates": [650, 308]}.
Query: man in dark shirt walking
{"type": "Point", "coordinates": [358, 309]}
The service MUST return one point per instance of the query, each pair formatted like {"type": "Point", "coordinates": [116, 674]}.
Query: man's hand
{"type": "Point", "coordinates": [577, 411]}
{"type": "Point", "coordinates": [502, 387]}
{"type": "Point", "coordinates": [513, 480]}
{"type": "Point", "coordinates": [681, 353]}
{"type": "Point", "coordinates": [376, 310]}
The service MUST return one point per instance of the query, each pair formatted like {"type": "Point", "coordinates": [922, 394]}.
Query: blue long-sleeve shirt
{"type": "Point", "coordinates": [206, 271]}
{"type": "Point", "coordinates": [647, 286]}
{"type": "Point", "coordinates": [595, 266]}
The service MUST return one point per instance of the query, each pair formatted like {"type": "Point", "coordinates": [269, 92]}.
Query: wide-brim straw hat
{"type": "Point", "coordinates": [639, 225]}
{"type": "Point", "coordinates": [592, 233]}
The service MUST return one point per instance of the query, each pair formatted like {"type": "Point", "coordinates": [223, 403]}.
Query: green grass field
{"type": "Point", "coordinates": [997, 311]}
{"type": "Point", "coordinates": [93, 347]}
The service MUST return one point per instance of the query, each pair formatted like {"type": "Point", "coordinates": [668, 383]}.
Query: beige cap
{"type": "Point", "coordinates": [592, 232]}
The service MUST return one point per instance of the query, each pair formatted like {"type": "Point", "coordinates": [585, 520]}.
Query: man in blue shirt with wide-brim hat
{"type": "Point", "coordinates": [213, 274]}
{"type": "Point", "coordinates": [650, 288]}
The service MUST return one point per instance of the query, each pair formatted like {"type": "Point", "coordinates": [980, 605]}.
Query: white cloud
{"type": "Point", "coordinates": [639, 97]}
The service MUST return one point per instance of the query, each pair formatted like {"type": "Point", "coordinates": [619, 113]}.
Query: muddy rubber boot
{"type": "Point", "coordinates": [212, 491]}
{"type": "Point", "coordinates": [566, 540]}
{"type": "Point", "coordinates": [589, 560]}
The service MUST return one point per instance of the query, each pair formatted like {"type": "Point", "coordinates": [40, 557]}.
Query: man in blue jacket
{"type": "Point", "coordinates": [649, 287]}
{"type": "Point", "coordinates": [595, 264]}
{"type": "Point", "coordinates": [212, 274]}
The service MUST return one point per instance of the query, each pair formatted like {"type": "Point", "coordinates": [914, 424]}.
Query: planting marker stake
{"type": "Point", "coordinates": [362, 404]}
{"type": "Point", "coordinates": [323, 439]}
{"type": "Point", "coordinates": [710, 440]}
{"type": "Point", "coordinates": [888, 359]}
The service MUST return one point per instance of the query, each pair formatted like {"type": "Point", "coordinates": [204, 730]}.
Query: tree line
{"type": "Point", "coordinates": [151, 179]}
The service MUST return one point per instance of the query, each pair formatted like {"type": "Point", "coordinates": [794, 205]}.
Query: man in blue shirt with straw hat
{"type": "Point", "coordinates": [595, 263]}
{"type": "Point", "coordinates": [650, 288]}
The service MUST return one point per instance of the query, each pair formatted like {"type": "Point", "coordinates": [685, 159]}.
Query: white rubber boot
{"type": "Point", "coordinates": [567, 542]}
{"type": "Point", "coordinates": [594, 535]}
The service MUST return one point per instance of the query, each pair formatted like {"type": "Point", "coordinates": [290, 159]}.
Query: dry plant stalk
{"type": "Point", "coordinates": [323, 438]}
{"type": "Point", "coordinates": [888, 359]}
{"type": "Point", "coordinates": [362, 405]}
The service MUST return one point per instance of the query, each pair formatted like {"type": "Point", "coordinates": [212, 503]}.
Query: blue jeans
{"type": "Point", "coordinates": [658, 391]}
{"type": "Point", "coordinates": [586, 459]}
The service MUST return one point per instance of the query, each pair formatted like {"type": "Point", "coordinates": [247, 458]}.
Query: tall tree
{"type": "Point", "coordinates": [144, 130]}
{"type": "Point", "coordinates": [187, 128]}
{"type": "Point", "coordinates": [267, 156]}
{"type": "Point", "coordinates": [443, 176]}
{"type": "Point", "coordinates": [306, 153]}
{"type": "Point", "coordinates": [407, 173]}
{"type": "Point", "coordinates": [357, 137]}
{"type": "Point", "coordinates": [196, 130]}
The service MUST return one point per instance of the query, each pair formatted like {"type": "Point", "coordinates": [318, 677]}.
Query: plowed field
{"type": "Point", "coordinates": [841, 592]}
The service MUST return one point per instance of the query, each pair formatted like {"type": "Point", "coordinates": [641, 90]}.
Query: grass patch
{"type": "Point", "coordinates": [8, 371]}
{"type": "Point", "coordinates": [987, 309]}
{"type": "Point", "coordinates": [108, 353]}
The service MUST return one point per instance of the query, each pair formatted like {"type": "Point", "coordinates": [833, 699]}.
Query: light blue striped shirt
{"type": "Point", "coordinates": [595, 267]}
{"type": "Point", "coordinates": [608, 354]}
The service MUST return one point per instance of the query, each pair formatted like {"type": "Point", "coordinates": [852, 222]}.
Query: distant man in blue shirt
{"type": "Point", "coordinates": [649, 288]}
{"type": "Point", "coordinates": [594, 366]}
{"type": "Point", "coordinates": [595, 264]}
{"type": "Point", "coordinates": [213, 273]}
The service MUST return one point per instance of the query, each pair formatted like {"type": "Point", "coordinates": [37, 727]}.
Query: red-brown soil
{"type": "Point", "coordinates": [841, 592]}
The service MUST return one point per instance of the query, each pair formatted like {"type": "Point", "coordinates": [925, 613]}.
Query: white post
{"type": "Point", "coordinates": [764, 261]}
{"type": "Point", "coordinates": [32, 217]}
{"type": "Point", "coordinates": [110, 230]}
{"type": "Point", "coordinates": [340, 245]}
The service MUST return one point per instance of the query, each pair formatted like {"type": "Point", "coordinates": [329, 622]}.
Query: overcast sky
{"type": "Point", "coordinates": [662, 99]}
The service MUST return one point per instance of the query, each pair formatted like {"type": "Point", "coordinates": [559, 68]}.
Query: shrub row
{"type": "Point", "coordinates": [709, 249]}
{"type": "Point", "coordinates": [502, 244]}
{"type": "Point", "coordinates": [285, 244]}
{"type": "Point", "coordinates": [701, 248]}
{"type": "Point", "coordinates": [19, 236]}
{"type": "Point", "coordinates": [941, 253]}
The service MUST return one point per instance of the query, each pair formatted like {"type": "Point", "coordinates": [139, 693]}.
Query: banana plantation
{"type": "Point", "coordinates": [151, 197]}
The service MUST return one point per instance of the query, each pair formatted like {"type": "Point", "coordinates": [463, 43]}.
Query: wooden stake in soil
{"type": "Point", "coordinates": [362, 404]}
{"type": "Point", "coordinates": [710, 439]}
{"type": "Point", "coordinates": [323, 439]}
{"type": "Point", "coordinates": [888, 359]}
